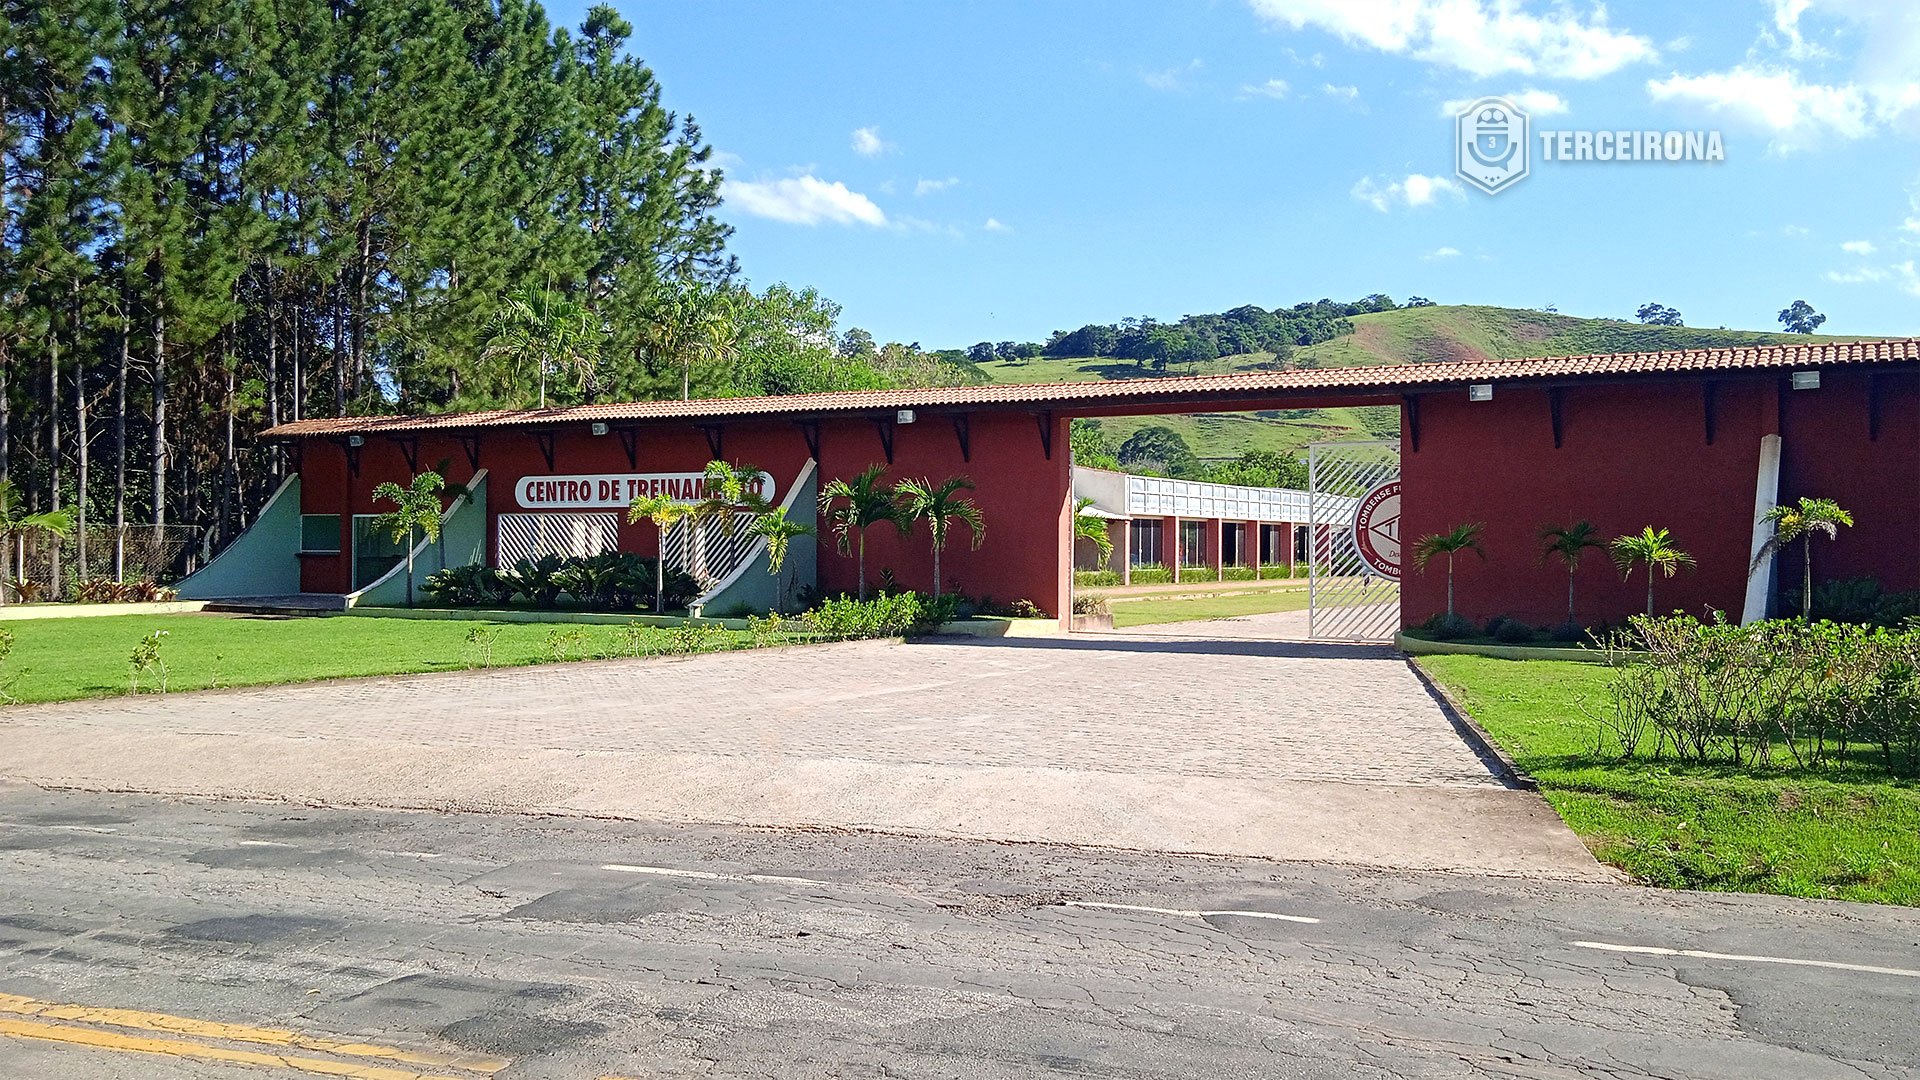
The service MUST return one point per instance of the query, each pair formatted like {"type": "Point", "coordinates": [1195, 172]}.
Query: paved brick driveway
{"type": "Point", "coordinates": [1189, 739]}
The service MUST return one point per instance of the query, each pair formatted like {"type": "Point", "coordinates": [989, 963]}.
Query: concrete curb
{"type": "Point", "coordinates": [19, 612]}
{"type": "Point", "coordinates": [1470, 730]}
{"type": "Point", "coordinates": [1414, 646]}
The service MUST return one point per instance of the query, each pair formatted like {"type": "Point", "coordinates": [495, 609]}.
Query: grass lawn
{"type": "Point", "coordinates": [63, 659]}
{"type": "Point", "coordinates": [1144, 612]}
{"type": "Point", "coordinates": [1847, 833]}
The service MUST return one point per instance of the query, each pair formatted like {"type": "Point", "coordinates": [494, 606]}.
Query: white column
{"type": "Point", "coordinates": [1766, 495]}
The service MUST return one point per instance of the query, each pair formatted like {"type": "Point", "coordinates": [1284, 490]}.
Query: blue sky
{"type": "Point", "coordinates": [959, 172]}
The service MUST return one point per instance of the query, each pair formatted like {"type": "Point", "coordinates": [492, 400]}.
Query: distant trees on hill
{"type": "Point", "coordinates": [1659, 315]}
{"type": "Point", "coordinates": [1193, 339]}
{"type": "Point", "coordinates": [1158, 450]}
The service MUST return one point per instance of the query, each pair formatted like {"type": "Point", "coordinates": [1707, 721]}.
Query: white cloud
{"type": "Point", "coordinates": [1344, 93]}
{"type": "Point", "coordinates": [1535, 102]}
{"type": "Point", "coordinates": [1171, 79]}
{"type": "Point", "coordinates": [1413, 190]}
{"type": "Point", "coordinates": [934, 187]}
{"type": "Point", "coordinates": [1909, 277]}
{"type": "Point", "coordinates": [1795, 230]}
{"type": "Point", "coordinates": [1798, 113]}
{"type": "Point", "coordinates": [868, 143]}
{"type": "Point", "coordinates": [1272, 88]}
{"type": "Point", "coordinates": [1858, 276]}
{"type": "Point", "coordinates": [1858, 247]}
{"type": "Point", "coordinates": [1441, 253]}
{"type": "Point", "coordinates": [1482, 37]}
{"type": "Point", "coordinates": [996, 225]}
{"type": "Point", "coordinates": [1879, 92]}
{"type": "Point", "coordinates": [804, 200]}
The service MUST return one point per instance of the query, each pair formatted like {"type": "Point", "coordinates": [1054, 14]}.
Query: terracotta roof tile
{"type": "Point", "coordinates": [1205, 391]}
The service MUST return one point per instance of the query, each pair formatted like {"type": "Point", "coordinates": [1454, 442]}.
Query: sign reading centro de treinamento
{"type": "Point", "coordinates": [613, 491]}
{"type": "Point", "coordinates": [1493, 145]}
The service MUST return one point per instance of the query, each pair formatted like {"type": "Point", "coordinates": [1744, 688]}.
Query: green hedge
{"type": "Point", "coordinates": [1152, 575]}
{"type": "Point", "coordinates": [1198, 573]}
{"type": "Point", "coordinates": [1093, 579]}
{"type": "Point", "coordinates": [1238, 573]}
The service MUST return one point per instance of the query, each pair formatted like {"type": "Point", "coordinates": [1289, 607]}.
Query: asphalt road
{"type": "Point", "coordinates": [146, 937]}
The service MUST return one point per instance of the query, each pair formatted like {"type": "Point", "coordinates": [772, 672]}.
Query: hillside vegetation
{"type": "Point", "coordinates": [1407, 335]}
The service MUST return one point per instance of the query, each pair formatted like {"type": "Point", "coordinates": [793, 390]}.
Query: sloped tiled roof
{"type": "Point", "coordinates": [1202, 391]}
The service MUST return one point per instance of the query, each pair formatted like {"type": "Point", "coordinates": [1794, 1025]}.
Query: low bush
{"type": "Point", "coordinates": [612, 581]}
{"type": "Point", "coordinates": [844, 618]}
{"type": "Point", "coordinates": [1857, 600]}
{"type": "Point", "coordinates": [1091, 605]}
{"type": "Point", "coordinates": [1239, 573]}
{"type": "Point", "coordinates": [1198, 574]}
{"type": "Point", "coordinates": [1096, 579]}
{"type": "Point", "coordinates": [1816, 692]}
{"type": "Point", "coordinates": [1152, 575]}
{"type": "Point", "coordinates": [1447, 628]}
{"type": "Point", "coordinates": [1513, 632]}
{"type": "Point", "coordinates": [102, 590]}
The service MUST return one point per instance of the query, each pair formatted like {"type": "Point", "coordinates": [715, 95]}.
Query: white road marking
{"type": "Point", "coordinates": [263, 843]}
{"type": "Point", "coordinates": [1655, 950]}
{"type": "Point", "coordinates": [709, 875]}
{"type": "Point", "coordinates": [1188, 913]}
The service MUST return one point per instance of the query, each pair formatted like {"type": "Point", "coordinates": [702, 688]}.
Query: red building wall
{"type": "Point", "coordinates": [1023, 494]}
{"type": "Point", "coordinates": [1636, 454]}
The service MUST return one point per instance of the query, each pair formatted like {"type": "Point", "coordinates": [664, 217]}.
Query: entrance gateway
{"type": "Point", "coordinates": [1353, 575]}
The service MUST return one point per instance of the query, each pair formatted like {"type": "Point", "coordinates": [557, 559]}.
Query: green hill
{"type": "Point", "coordinates": [1401, 336]}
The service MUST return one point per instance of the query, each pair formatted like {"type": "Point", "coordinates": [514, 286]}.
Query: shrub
{"type": "Point", "coordinates": [1152, 575]}
{"type": "Point", "coordinates": [1513, 631]}
{"type": "Point", "coordinates": [1445, 627]}
{"type": "Point", "coordinates": [1198, 574]}
{"type": "Point", "coordinates": [146, 662]}
{"type": "Point", "coordinates": [1095, 579]}
{"type": "Point", "coordinates": [102, 590]}
{"type": "Point", "coordinates": [1568, 632]}
{"type": "Point", "coordinates": [7, 681]}
{"type": "Point", "coordinates": [467, 586]}
{"type": "Point", "coordinates": [846, 619]}
{"type": "Point", "coordinates": [1091, 605]}
{"type": "Point", "coordinates": [1238, 573]}
{"type": "Point", "coordinates": [612, 580]}
{"type": "Point", "coordinates": [1718, 692]}
{"type": "Point", "coordinates": [539, 581]}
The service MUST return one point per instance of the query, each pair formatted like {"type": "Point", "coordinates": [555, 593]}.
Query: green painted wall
{"type": "Point", "coordinates": [261, 561]}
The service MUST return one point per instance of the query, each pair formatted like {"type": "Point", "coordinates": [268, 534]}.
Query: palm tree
{"type": "Point", "coordinates": [853, 506]}
{"type": "Point", "coordinates": [550, 330]}
{"type": "Point", "coordinates": [416, 509]}
{"type": "Point", "coordinates": [727, 491]}
{"type": "Point", "coordinates": [1650, 546]}
{"type": "Point", "coordinates": [778, 530]}
{"type": "Point", "coordinates": [665, 513]}
{"type": "Point", "coordinates": [1568, 543]}
{"type": "Point", "coordinates": [1791, 524]}
{"type": "Point", "coordinates": [1091, 529]}
{"type": "Point", "coordinates": [682, 323]}
{"type": "Point", "coordinates": [941, 506]}
{"type": "Point", "coordinates": [16, 525]}
{"type": "Point", "coordinates": [1460, 538]}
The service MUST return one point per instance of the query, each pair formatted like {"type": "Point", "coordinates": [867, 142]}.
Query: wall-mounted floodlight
{"type": "Point", "coordinates": [904, 416]}
{"type": "Point", "coordinates": [599, 428]}
{"type": "Point", "coordinates": [356, 440]}
{"type": "Point", "coordinates": [1806, 380]}
{"type": "Point", "coordinates": [1482, 391]}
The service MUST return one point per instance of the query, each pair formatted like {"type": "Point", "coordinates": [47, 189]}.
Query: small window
{"type": "Point", "coordinates": [320, 533]}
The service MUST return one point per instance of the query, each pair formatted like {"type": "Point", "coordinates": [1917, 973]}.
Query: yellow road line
{"type": "Point", "coordinates": [208, 1029]}
{"type": "Point", "coordinates": [140, 1044]}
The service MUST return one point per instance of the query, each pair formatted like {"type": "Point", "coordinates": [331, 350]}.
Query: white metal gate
{"type": "Point", "coordinates": [1353, 578]}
